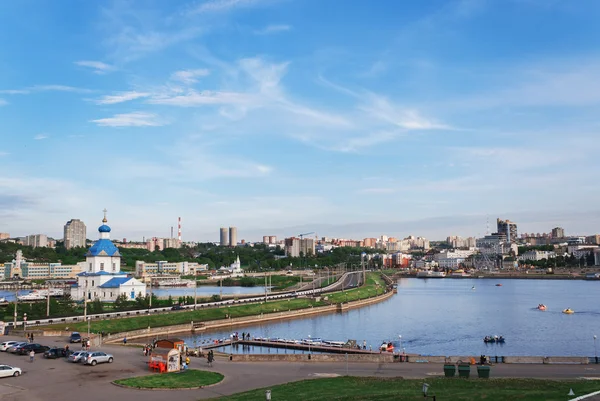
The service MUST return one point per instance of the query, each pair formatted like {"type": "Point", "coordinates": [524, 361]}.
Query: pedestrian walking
{"type": "Point", "coordinates": [31, 355]}
{"type": "Point", "coordinates": [124, 340]}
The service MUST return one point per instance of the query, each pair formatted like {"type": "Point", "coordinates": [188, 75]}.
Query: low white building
{"type": "Point", "coordinates": [143, 269]}
{"type": "Point", "coordinates": [103, 278]}
{"type": "Point", "coordinates": [537, 255]}
{"type": "Point", "coordinates": [234, 269]}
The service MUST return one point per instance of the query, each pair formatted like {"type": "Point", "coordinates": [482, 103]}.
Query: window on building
{"type": "Point", "coordinates": [101, 266]}
{"type": "Point", "coordinates": [90, 267]}
{"type": "Point", "coordinates": [114, 266]}
{"type": "Point", "coordinates": [111, 294]}
{"type": "Point", "coordinates": [92, 283]}
{"type": "Point", "coordinates": [86, 283]}
{"type": "Point", "coordinates": [103, 295]}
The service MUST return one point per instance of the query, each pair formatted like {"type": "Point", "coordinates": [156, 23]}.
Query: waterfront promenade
{"type": "Point", "coordinates": [59, 380]}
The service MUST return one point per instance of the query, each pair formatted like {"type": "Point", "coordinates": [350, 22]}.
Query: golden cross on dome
{"type": "Point", "coordinates": [104, 219]}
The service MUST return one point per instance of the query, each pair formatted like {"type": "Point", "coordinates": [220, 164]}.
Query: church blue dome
{"type": "Point", "coordinates": [104, 228]}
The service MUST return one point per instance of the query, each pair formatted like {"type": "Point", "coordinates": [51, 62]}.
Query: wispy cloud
{"type": "Point", "coordinates": [2, 153]}
{"type": "Point", "coordinates": [121, 97]}
{"type": "Point", "coordinates": [59, 88]}
{"type": "Point", "coordinates": [3, 102]}
{"type": "Point", "coordinates": [40, 137]}
{"type": "Point", "coordinates": [269, 29]}
{"type": "Point", "coordinates": [45, 88]}
{"type": "Point", "coordinates": [194, 98]}
{"type": "Point", "coordinates": [222, 6]}
{"type": "Point", "coordinates": [189, 76]}
{"type": "Point", "coordinates": [134, 119]}
{"type": "Point", "coordinates": [98, 66]}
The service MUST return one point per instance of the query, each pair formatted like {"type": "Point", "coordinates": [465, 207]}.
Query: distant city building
{"type": "Point", "coordinates": [20, 268]}
{"type": "Point", "coordinates": [132, 245]}
{"type": "Point", "coordinates": [269, 239]}
{"type": "Point", "coordinates": [370, 242]}
{"type": "Point", "coordinates": [458, 242]}
{"type": "Point", "coordinates": [102, 277]}
{"type": "Point", "coordinates": [294, 247]}
{"type": "Point", "coordinates": [224, 239]}
{"type": "Point", "coordinates": [593, 239]}
{"type": "Point", "coordinates": [508, 228]}
{"type": "Point", "coordinates": [158, 244]}
{"type": "Point", "coordinates": [4, 236]}
{"type": "Point", "coordinates": [558, 232]}
{"type": "Point", "coordinates": [232, 236]}
{"type": "Point", "coordinates": [74, 234]}
{"type": "Point", "coordinates": [234, 269]}
{"type": "Point", "coordinates": [144, 269]}
{"type": "Point", "coordinates": [535, 255]}
{"type": "Point", "coordinates": [36, 240]}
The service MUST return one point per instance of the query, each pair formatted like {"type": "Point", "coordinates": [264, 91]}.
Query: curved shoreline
{"type": "Point", "coordinates": [247, 320]}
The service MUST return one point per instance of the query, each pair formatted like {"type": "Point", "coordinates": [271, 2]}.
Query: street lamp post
{"type": "Point", "coordinates": [88, 319]}
{"type": "Point", "coordinates": [25, 323]}
{"type": "Point", "coordinates": [309, 342]}
{"type": "Point", "coordinates": [148, 315]}
{"type": "Point", "coordinates": [595, 349]}
{"type": "Point", "coordinates": [400, 338]}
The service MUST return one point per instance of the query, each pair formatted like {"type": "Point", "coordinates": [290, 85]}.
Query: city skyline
{"type": "Point", "coordinates": [400, 118]}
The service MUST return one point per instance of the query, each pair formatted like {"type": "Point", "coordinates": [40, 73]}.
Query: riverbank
{"type": "Point", "coordinates": [201, 319]}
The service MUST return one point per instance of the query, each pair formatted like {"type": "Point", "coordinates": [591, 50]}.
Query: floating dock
{"type": "Point", "coordinates": [296, 346]}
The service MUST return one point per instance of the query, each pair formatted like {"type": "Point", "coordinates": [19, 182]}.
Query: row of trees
{"type": "Point", "coordinates": [259, 257]}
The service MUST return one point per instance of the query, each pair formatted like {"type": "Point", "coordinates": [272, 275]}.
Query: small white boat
{"type": "Point", "coordinates": [338, 344]}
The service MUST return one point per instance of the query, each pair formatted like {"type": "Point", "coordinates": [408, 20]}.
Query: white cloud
{"type": "Point", "coordinates": [59, 88]}
{"type": "Point", "coordinates": [135, 119]}
{"type": "Point", "coordinates": [39, 137]}
{"type": "Point", "coordinates": [98, 66]}
{"type": "Point", "coordinates": [382, 109]}
{"type": "Point", "coordinates": [3, 102]}
{"type": "Point", "coordinates": [14, 91]}
{"type": "Point", "coordinates": [189, 76]}
{"type": "Point", "coordinates": [121, 97]}
{"type": "Point", "coordinates": [194, 98]}
{"type": "Point", "coordinates": [222, 6]}
{"type": "Point", "coordinates": [272, 29]}
{"type": "Point", "coordinates": [3, 153]}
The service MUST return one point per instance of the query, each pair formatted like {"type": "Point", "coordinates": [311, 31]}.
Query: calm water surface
{"type": "Point", "coordinates": [448, 317]}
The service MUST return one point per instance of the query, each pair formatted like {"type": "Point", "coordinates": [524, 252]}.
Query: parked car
{"type": "Point", "coordinates": [75, 337]}
{"type": "Point", "coordinates": [7, 371]}
{"type": "Point", "coordinates": [6, 345]}
{"type": "Point", "coordinates": [96, 357]}
{"type": "Point", "coordinates": [77, 356]}
{"type": "Point", "coordinates": [15, 348]}
{"type": "Point", "coordinates": [176, 307]}
{"type": "Point", "coordinates": [37, 348]}
{"type": "Point", "coordinates": [54, 353]}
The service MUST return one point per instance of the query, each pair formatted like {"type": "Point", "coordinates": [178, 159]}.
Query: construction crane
{"type": "Point", "coordinates": [302, 235]}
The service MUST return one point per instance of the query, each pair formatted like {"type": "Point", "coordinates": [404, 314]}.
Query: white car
{"type": "Point", "coordinates": [7, 371]}
{"type": "Point", "coordinates": [7, 344]}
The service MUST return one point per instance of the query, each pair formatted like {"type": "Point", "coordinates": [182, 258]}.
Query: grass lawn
{"type": "Point", "coordinates": [374, 284]}
{"type": "Point", "coordinates": [184, 379]}
{"type": "Point", "coordinates": [371, 388]}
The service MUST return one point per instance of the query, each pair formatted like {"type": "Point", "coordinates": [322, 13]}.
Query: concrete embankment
{"type": "Point", "coordinates": [244, 321]}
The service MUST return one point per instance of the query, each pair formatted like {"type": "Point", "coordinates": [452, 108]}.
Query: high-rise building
{"type": "Point", "coordinates": [507, 228]}
{"type": "Point", "coordinates": [232, 236]}
{"type": "Point", "coordinates": [296, 247]}
{"type": "Point", "coordinates": [269, 239]}
{"type": "Point", "coordinates": [558, 232]}
{"type": "Point", "coordinates": [74, 234]}
{"type": "Point", "coordinates": [36, 240]}
{"type": "Point", "coordinates": [224, 240]}
{"type": "Point", "coordinates": [266, 239]}
{"type": "Point", "coordinates": [4, 236]}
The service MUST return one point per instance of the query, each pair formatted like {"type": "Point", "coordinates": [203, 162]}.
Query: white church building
{"type": "Point", "coordinates": [102, 278]}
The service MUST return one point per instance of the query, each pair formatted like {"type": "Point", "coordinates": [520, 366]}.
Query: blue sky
{"type": "Point", "coordinates": [348, 118]}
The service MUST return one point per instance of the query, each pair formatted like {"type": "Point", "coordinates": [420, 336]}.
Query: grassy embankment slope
{"type": "Point", "coordinates": [374, 285]}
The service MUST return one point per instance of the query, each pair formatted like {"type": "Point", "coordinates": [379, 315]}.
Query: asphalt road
{"type": "Point", "coordinates": [45, 380]}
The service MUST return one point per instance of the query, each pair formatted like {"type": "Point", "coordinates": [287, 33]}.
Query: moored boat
{"type": "Point", "coordinates": [541, 307]}
{"type": "Point", "coordinates": [568, 311]}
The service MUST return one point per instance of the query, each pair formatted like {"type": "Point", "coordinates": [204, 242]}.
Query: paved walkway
{"type": "Point", "coordinates": [60, 380]}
